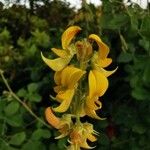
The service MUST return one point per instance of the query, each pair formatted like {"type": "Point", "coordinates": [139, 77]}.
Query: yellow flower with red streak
{"type": "Point", "coordinates": [79, 135]}
{"type": "Point", "coordinates": [98, 85]}
{"type": "Point", "coordinates": [62, 124]}
{"type": "Point", "coordinates": [66, 53]}
{"type": "Point", "coordinates": [67, 82]}
{"type": "Point", "coordinates": [99, 59]}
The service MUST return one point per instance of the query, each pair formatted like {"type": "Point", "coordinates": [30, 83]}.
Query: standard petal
{"type": "Point", "coordinates": [92, 84]}
{"type": "Point", "coordinates": [66, 74]}
{"type": "Point", "coordinates": [51, 118]}
{"type": "Point", "coordinates": [101, 83]}
{"type": "Point", "coordinates": [56, 64]}
{"type": "Point", "coordinates": [75, 77]}
{"type": "Point", "coordinates": [70, 76]}
{"type": "Point", "coordinates": [66, 99]}
{"type": "Point", "coordinates": [68, 35]}
{"type": "Point", "coordinates": [103, 48]}
{"type": "Point", "coordinates": [59, 52]}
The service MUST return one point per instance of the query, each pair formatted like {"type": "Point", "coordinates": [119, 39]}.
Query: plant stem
{"type": "Point", "coordinates": [21, 102]}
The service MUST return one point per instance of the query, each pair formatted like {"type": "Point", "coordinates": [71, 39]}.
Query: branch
{"type": "Point", "coordinates": [20, 101]}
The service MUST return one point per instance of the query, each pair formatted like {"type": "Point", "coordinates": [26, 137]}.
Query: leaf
{"type": "Point", "coordinates": [138, 129]}
{"type": "Point", "coordinates": [146, 75]}
{"type": "Point", "coordinates": [15, 121]}
{"type": "Point", "coordinates": [140, 94]}
{"type": "Point", "coordinates": [2, 106]}
{"type": "Point", "coordinates": [32, 87]}
{"type": "Point", "coordinates": [22, 92]}
{"type": "Point", "coordinates": [61, 143]}
{"type": "Point", "coordinates": [145, 44]}
{"type": "Point", "coordinates": [113, 22]}
{"type": "Point", "coordinates": [41, 133]}
{"type": "Point", "coordinates": [145, 27]}
{"type": "Point", "coordinates": [35, 97]}
{"type": "Point", "coordinates": [33, 145]}
{"type": "Point", "coordinates": [104, 140]}
{"type": "Point", "coordinates": [125, 57]}
{"type": "Point", "coordinates": [18, 139]}
{"type": "Point", "coordinates": [12, 108]}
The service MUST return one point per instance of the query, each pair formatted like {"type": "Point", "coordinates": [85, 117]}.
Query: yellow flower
{"type": "Point", "coordinates": [98, 85]}
{"type": "Point", "coordinates": [65, 54]}
{"type": "Point", "coordinates": [99, 59]}
{"type": "Point", "coordinates": [62, 124]}
{"type": "Point", "coordinates": [67, 81]}
{"type": "Point", "coordinates": [79, 136]}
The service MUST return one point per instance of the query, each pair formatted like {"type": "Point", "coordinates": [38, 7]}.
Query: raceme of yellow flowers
{"type": "Point", "coordinates": [81, 81]}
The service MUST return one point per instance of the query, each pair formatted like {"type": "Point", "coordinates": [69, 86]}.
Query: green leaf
{"type": "Point", "coordinates": [113, 22]}
{"type": "Point", "coordinates": [140, 94]}
{"type": "Point", "coordinates": [103, 139]}
{"type": "Point", "coordinates": [32, 87]}
{"type": "Point", "coordinates": [35, 97]}
{"type": "Point", "coordinates": [18, 139]}
{"type": "Point", "coordinates": [22, 92]}
{"type": "Point", "coordinates": [12, 108]}
{"type": "Point", "coordinates": [146, 75]}
{"type": "Point", "coordinates": [125, 57]}
{"type": "Point", "coordinates": [138, 129]}
{"type": "Point", "coordinates": [33, 145]}
{"type": "Point", "coordinates": [2, 107]}
{"type": "Point", "coordinates": [145, 44]}
{"type": "Point", "coordinates": [145, 27]}
{"type": "Point", "coordinates": [15, 121]}
{"type": "Point", "coordinates": [61, 144]}
{"type": "Point", "coordinates": [41, 133]}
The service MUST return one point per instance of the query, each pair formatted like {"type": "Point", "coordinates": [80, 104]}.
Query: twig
{"type": "Point", "coordinates": [20, 101]}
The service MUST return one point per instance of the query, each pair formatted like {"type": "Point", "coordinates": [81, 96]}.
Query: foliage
{"type": "Point", "coordinates": [24, 33]}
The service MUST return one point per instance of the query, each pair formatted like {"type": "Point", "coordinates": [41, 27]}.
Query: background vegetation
{"type": "Point", "coordinates": [24, 32]}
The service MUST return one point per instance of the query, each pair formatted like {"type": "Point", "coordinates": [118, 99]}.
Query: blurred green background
{"type": "Point", "coordinates": [25, 32]}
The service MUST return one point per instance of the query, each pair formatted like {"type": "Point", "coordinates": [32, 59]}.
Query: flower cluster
{"type": "Point", "coordinates": [81, 79]}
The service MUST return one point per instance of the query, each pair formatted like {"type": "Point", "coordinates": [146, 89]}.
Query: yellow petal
{"type": "Point", "coordinates": [66, 99]}
{"type": "Point", "coordinates": [66, 74]}
{"type": "Point", "coordinates": [57, 77]}
{"type": "Point", "coordinates": [51, 118]}
{"type": "Point", "coordinates": [58, 88]}
{"type": "Point", "coordinates": [59, 52]}
{"type": "Point", "coordinates": [92, 84]}
{"type": "Point", "coordinates": [107, 73]}
{"type": "Point", "coordinates": [84, 144]}
{"type": "Point", "coordinates": [60, 136]}
{"type": "Point", "coordinates": [92, 138]}
{"type": "Point", "coordinates": [68, 35]}
{"type": "Point", "coordinates": [94, 104]}
{"type": "Point", "coordinates": [56, 64]}
{"type": "Point", "coordinates": [104, 62]}
{"type": "Point", "coordinates": [103, 48]}
{"type": "Point", "coordinates": [91, 113]}
{"type": "Point", "coordinates": [70, 76]}
{"type": "Point", "coordinates": [76, 76]}
{"type": "Point", "coordinates": [101, 83]}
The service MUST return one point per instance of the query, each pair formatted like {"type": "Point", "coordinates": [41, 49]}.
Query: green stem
{"type": "Point", "coordinates": [21, 102]}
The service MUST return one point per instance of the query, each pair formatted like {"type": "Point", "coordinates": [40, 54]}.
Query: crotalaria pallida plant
{"type": "Point", "coordinates": [81, 79]}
